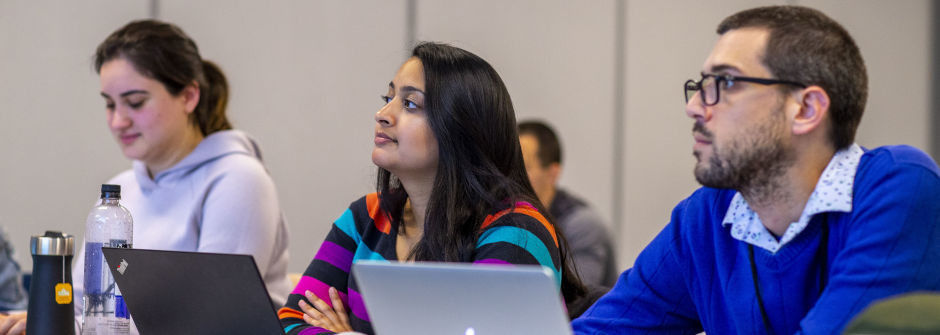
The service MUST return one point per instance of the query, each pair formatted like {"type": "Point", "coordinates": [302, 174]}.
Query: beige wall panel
{"type": "Point", "coordinates": [55, 145]}
{"type": "Point", "coordinates": [894, 37]}
{"type": "Point", "coordinates": [306, 78]}
{"type": "Point", "coordinates": [556, 58]}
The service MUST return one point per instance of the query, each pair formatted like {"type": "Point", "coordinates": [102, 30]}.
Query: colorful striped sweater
{"type": "Point", "coordinates": [518, 235]}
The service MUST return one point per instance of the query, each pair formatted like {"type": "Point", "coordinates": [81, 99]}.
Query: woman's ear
{"type": "Point", "coordinates": [190, 96]}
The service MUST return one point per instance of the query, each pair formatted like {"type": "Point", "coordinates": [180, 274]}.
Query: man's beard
{"type": "Point", "coordinates": [750, 163]}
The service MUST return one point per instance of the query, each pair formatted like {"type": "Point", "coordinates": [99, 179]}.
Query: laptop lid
{"type": "Point", "coordinates": [174, 292]}
{"type": "Point", "coordinates": [460, 299]}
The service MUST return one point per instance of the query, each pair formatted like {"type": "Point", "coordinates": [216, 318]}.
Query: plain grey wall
{"type": "Point", "coordinates": [306, 76]}
{"type": "Point", "coordinates": [56, 149]}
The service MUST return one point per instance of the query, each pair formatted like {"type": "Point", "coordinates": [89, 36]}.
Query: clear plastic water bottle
{"type": "Point", "coordinates": [110, 225]}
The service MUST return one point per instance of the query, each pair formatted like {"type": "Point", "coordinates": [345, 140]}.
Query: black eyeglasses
{"type": "Point", "coordinates": [711, 84]}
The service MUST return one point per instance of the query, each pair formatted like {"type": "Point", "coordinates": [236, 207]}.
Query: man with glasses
{"type": "Point", "coordinates": [797, 228]}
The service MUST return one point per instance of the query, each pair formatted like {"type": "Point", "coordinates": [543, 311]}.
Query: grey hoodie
{"type": "Point", "coordinates": [219, 198]}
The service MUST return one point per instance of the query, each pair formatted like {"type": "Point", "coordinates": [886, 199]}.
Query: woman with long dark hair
{"type": "Point", "coordinates": [452, 187]}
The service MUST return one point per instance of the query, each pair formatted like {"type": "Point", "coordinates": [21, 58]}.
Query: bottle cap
{"type": "Point", "coordinates": [110, 191]}
{"type": "Point", "coordinates": [53, 243]}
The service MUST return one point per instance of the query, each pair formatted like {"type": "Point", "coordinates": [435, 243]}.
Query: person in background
{"type": "Point", "coordinates": [797, 228]}
{"type": "Point", "coordinates": [13, 298]}
{"type": "Point", "coordinates": [591, 248]}
{"type": "Point", "coordinates": [196, 184]}
{"type": "Point", "coordinates": [12, 293]}
{"type": "Point", "coordinates": [452, 187]}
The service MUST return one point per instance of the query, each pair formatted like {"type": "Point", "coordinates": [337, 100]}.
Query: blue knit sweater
{"type": "Point", "coordinates": [694, 276]}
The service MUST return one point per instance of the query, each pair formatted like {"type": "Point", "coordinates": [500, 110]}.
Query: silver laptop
{"type": "Point", "coordinates": [460, 299]}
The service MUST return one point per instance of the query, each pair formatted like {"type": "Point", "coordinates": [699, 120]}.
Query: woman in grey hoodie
{"type": "Point", "coordinates": [196, 184]}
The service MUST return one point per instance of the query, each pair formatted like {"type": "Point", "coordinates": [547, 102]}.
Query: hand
{"type": "Point", "coordinates": [13, 324]}
{"type": "Point", "coordinates": [333, 319]}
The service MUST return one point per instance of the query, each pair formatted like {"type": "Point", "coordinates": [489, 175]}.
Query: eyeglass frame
{"type": "Point", "coordinates": [698, 88]}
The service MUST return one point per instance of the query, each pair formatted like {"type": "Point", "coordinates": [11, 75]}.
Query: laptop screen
{"type": "Point", "coordinates": [461, 299]}
{"type": "Point", "coordinates": [174, 292]}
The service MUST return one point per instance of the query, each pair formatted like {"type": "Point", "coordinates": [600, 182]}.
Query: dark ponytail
{"type": "Point", "coordinates": [164, 52]}
{"type": "Point", "coordinates": [213, 98]}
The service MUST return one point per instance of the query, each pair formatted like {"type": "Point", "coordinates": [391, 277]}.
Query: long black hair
{"type": "Point", "coordinates": [480, 163]}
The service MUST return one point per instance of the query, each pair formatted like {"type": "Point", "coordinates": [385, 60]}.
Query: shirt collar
{"type": "Point", "coordinates": [833, 193]}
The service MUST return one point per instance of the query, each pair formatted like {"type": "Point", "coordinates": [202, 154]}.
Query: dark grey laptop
{"type": "Point", "coordinates": [460, 299]}
{"type": "Point", "coordinates": [173, 292]}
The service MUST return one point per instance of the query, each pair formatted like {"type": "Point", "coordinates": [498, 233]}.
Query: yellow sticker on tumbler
{"type": "Point", "coordinates": [63, 293]}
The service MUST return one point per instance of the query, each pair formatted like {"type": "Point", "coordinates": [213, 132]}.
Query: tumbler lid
{"type": "Point", "coordinates": [53, 243]}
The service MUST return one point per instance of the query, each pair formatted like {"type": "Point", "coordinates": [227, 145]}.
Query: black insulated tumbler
{"type": "Point", "coordinates": [51, 299]}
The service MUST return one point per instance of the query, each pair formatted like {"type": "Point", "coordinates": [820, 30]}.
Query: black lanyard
{"type": "Point", "coordinates": [821, 257]}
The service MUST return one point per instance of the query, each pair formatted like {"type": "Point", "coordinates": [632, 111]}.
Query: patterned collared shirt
{"type": "Point", "coordinates": [833, 193]}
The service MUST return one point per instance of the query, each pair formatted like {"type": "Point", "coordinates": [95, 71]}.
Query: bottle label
{"type": "Point", "coordinates": [120, 308]}
{"type": "Point", "coordinates": [115, 243]}
{"type": "Point", "coordinates": [63, 293]}
{"type": "Point", "coordinates": [119, 243]}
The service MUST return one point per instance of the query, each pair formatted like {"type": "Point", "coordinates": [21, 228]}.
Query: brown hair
{"type": "Point", "coordinates": [162, 51]}
{"type": "Point", "coordinates": [808, 47]}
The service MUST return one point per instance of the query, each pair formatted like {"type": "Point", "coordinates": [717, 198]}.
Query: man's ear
{"type": "Point", "coordinates": [814, 106]}
{"type": "Point", "coordinates": [191, 97]}
{"type": "Point", "coordinates": [554, 171]}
